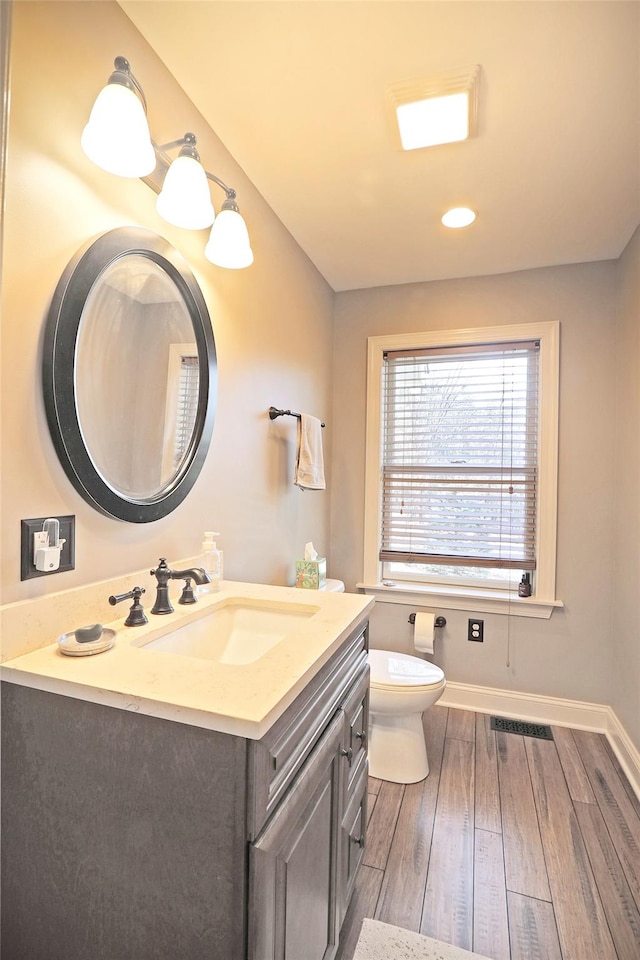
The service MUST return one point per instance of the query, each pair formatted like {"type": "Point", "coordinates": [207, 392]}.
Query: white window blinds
{"type": "Point", "coordinates": [459, 455]}
{"type": "Point", "coordinates": [188, 392]}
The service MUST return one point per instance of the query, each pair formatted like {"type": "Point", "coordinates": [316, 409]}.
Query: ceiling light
{"type": "Point", "coordinates": [117, 139]}
{"type": "Point", "coordinates": [458, 217]}
{"type": "Point", "coordinates": [436, 110]}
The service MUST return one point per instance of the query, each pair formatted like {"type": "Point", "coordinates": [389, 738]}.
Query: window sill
{"type": "Point", "coordinates": [454, 598]}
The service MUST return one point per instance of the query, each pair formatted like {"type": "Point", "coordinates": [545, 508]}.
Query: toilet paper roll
{"type": "Point", "coordinates": [424, 632]}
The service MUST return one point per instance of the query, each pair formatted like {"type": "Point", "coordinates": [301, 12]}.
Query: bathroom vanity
{"type": "Point", "coordinates": [138, 828]}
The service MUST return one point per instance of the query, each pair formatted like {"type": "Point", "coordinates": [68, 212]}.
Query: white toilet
{"type": "Point", "coordinates": [402, 687]}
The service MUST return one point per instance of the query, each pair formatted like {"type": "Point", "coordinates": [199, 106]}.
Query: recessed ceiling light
{"type": "Point", "coordinates": [436, 110]}
{"type": "Point", "coordinates": [458, 217]}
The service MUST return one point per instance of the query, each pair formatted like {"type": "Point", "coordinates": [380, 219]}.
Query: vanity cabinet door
{"type": "Point", "coordinates": [293, 865]}
{"type": "Point", "coordinates": [353, 839]}
{"type": "Point", "coordinates": [356, 713]}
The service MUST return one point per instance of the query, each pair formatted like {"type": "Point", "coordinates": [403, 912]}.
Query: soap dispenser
{"type": "Point", "coordinates": [211, 562]}
{"type": "Point", "coordinates": [524, 587]}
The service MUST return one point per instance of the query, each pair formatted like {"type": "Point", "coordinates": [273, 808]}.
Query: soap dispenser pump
{"type": "Point", "coordinates": [211, 561]}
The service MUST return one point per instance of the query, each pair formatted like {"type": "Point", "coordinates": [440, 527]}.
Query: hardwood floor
{"type": "Point", "coordinates": [513, 847]}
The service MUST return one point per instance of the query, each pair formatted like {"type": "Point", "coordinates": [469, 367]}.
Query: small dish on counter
{"type": "Point", "coordinates": [71, 647]}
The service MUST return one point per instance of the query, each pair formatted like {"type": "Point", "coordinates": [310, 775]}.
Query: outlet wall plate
{"type": "Point", "coordinates": [67, 556]}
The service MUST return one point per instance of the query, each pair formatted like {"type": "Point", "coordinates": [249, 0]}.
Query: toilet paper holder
{"type": "Point", "coordinates": [438, 622]}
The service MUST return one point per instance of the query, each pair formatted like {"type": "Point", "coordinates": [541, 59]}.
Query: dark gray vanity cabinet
{"type": "Point", "coordinates": [302, 864]}
{"type": "Point", "coordinates": [294, 906]}
{"type": "Point", "coordinates": [128, 837]}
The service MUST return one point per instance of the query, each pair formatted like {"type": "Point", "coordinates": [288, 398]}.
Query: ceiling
{"type": "Point", "coordinates": [298, 93]}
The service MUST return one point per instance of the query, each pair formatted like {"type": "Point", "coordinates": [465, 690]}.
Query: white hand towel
{"type": "Point", "coordinates": [309, 474]}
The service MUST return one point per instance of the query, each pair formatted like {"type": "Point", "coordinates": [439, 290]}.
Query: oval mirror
{"type": "Point", "coordinates": [129, 375]}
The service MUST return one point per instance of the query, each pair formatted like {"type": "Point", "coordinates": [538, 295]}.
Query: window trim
{"type": "Point", "coordinates": [542, 604]}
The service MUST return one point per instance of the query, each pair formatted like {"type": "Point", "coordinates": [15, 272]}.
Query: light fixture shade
{"type": "Point", "coordinates": [185, 200]}
{"type": "Point", "coordinates": [229, 244]}
{"type": "Point", "coordinates": [117, 137]}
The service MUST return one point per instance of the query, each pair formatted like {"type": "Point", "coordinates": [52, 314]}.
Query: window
{"type": "Point", "coordinates": [183, 390]}
{"type": "Point", "coordinates": [462, 461]}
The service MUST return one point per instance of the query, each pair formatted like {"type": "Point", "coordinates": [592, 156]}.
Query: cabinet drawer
{"type": "Point", "coordinates": [276, 759]}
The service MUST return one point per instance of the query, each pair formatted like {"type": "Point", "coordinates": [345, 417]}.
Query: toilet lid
{"type": "Point", "coordinates": [390, 669]}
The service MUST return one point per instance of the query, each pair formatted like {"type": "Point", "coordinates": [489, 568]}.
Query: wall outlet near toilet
{"type": "Point", "coordinates": [475, 630]}
{"type": "Point", "coordinates": [39, 555]}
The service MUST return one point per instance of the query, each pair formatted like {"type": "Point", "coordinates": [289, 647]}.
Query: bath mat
{"type": "Point", "coordinates": [382, 941]}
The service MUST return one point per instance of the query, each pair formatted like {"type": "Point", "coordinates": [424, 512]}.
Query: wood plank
{"type": "Point", "coordinates": [382, 824]}
{"type": "Point", "coordinates": [487, 791]}
{"type": "Point", "coordinates": [525, 868]}
{"type": "Point", "coordinates": [461, 724]}
{"type": "Point", "coordinates": [532, 929]}
{"type": "Point", "coordinates": [374, 785]}
{"type": "Point", "coordinates": [448, 904]}
{"type": "Point", "coordinates": [490, 924]}
{"type": "Point", "coordinates": [371, 802]}
{"type": "Point", "coordinates": [402, 893]}
{"type": "Point", "coordinates": [580, 918]}
{"type": "Point", "coordinates": [574, 771]}
{"type": "Point", "coordinates": [363, 904]}
{"type": "Point", "coordinates": [619, 813]}
{"type": "Point", "coordinates": [620, 908]}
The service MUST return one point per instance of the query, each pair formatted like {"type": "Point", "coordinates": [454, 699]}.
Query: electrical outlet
{"type": "Point", "coordinates": [475, 630]}
{"type": "Point", "coordinates": [30, 531]}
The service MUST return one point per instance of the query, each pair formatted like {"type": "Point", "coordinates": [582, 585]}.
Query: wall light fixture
{"type": "Point", "coordinates": [117, 139]}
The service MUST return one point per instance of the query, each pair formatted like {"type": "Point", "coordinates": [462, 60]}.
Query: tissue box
{"type": "Point", "coordinates": [311, 574]}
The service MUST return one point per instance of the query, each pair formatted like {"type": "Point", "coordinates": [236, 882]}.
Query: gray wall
{"type": "Point", "coordinates": [569, 655]}
{"type": "Point", "coordinates": [273, 322]}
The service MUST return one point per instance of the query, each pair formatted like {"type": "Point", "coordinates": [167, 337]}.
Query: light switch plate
{"type": "Point", "coordinates": [28, 528]}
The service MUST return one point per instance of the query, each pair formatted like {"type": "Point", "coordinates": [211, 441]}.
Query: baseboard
{"type": "Point", "coordinates": [596, 717]}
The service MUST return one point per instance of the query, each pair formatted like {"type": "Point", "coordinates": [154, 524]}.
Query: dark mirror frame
{"type": "Point", "coordinates": [58, 372]}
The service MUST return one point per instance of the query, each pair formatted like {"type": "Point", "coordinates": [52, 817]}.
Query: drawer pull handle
{"type": "Point", "coordinates": [362, 736]}
{"type": "Point", "coordinates": [359, 840]}
{"type": "Point", "coordinates": [348, 754]}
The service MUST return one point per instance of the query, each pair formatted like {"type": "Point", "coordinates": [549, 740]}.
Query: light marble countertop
{"type": "Point", "coordinates": [244, 700]}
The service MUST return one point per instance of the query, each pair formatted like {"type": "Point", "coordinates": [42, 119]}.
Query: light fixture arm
{"type": "Point", "coordinates": [189, 140]}
{"type": "Point", "coordinates": [230, 192]}
{"type": "Point", "coordinates": [122, 75]}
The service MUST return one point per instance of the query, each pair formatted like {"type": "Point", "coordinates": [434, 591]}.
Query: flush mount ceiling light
{"type": "Point", "coordinates": [436, 110]}
{"type": "Point", "coordinates": [458, 217]}
{"type": "Point", "coordinates": [117, 140]}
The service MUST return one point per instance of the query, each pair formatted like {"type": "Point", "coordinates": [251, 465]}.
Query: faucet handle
{"type": "Point", "coordinates": [162, 569]}
{"type": "Point", "coordinates": [187, 595]}
{"type": "Point", "coordinates": [137, 615]}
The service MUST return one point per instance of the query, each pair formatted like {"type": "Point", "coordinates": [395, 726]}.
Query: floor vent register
{"type": "Point", "coordinates": [541, 731]}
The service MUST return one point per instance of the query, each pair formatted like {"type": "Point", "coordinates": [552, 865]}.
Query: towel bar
{"type": "Point", "coordinates": [274, 412]}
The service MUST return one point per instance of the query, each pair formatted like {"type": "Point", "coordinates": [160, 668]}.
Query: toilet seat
{"type": "Point", "coordinates": [392, 671]}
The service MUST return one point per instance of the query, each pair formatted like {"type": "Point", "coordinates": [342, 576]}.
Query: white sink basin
{"type": "Point", "coordinates": [234, 632]}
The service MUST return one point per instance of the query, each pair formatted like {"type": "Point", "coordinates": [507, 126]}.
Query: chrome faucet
{"type": "Point", "coordinates": [163, 574]}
